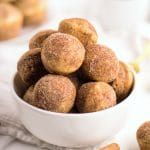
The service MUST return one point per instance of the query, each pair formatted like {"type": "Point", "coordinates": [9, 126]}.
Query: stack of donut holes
{"type": "Point", "coordinates": [68, 72]}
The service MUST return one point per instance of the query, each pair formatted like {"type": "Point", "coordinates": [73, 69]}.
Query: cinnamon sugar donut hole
{"type": "Point", "coordinates": [29, 95]}
{"type": "Point", "coordinates": [55, 93]}
{"type": "Point", "coordinates": [80, 28]}
{"type": "Point", "coordinates": [95, 96]}
{"type": "Point", "coordinates": [62, 53]}
{"type": "Point", "coordinates": [30, 67]}
{"type": "Point", "coordinates": [123, 82]}
{"type": "Point", "coordinates": [143, 136]}
{"type": "Point", "coordinates": [100, 64]}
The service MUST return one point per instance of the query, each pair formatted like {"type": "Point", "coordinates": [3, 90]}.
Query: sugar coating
{"type": "Point", "coordinates": [95, 96]}
{"type": "Point", "coordinates": [62, 53]}
{"type": "Point", "coordinates": [80, 28]}
{"type": "Point", "coordinates": [143, 136]}
{"type": "Point", "coordinates": [30, 67]}
{"type": "Point", "coordinates": [123, 82]}
{"type": "Point", "coordinates": [100, 63]}
{"type": "Point", "coordinates": [55, 93]}
{"type": "Point", "coordinates": [37, 40]}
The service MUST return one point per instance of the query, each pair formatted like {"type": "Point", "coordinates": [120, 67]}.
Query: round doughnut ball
{"type": "Point", "coordinates": [123, 82]}
{"type": "Point", "coordinates": [143, 136]}
{"type": "Point", "coordinates": [100, 64]}
{"type": "Point", "coordinates": [55, 93]}
{"type": "Point", "coordinates": [79, 28]}
{"type": "Point", "coordinates": [62, 53]}
{"type": "Point", "coordinates": [95, 96]}
{"type": "Point", "coordinates": [37, 40]}
{"type": "Point", "coordinates": [34, 11]}
{"type": "Point", "coordinates": [29, 95]}
{"type": "Point", "coordinates": [30, 67]}
{"type": "Point", "coordinates": [11, 21]}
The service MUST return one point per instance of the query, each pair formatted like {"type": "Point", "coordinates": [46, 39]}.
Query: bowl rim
{"type": "Point", "coordinates": [38, 110]}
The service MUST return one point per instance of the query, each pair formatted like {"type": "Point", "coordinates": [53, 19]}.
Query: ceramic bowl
{"type": "Point", "coordinates": [71, 130]}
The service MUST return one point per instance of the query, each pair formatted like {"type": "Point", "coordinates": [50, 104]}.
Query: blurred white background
{"type": "Point", "coordinates": [123, 25]}
{"type": "Point", "coordinates": [112, 14]}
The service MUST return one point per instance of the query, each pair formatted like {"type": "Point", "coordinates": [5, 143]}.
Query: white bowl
{"type": "Point", "coordinates": [71, 130]}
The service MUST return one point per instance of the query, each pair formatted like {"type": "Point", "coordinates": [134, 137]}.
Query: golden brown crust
{"type": "Point", "coordinates": [79, 28]}
{"type": "Point", "coordinates": [100, 63]}
{"type": "Point", "coordinates": [62, 53]}
{"type": "Point", "coordinates": [37, 40]}
{"type": "Point", "coordinates": [30, 67]}
{"type": "Point", "coordinates": [34, 11]}
{"type": "Point", "coordinates": [29, 95]}
{"type": "Point", "coordinates": [55, 93]}
{"type": "Point", "coordinates": [95, 96]}
{"type": "Point", "coordinates": [112, 146]}
{"type": "Point", "coordinates": [124, 81]}
{"type": "Point", "coordinates": [11, 21]}
{"type": "Point", "coordinates": [143, 136]}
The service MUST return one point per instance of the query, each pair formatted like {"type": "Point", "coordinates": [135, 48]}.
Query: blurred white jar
{"type": "Point", "coordinates": [119, 14]}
